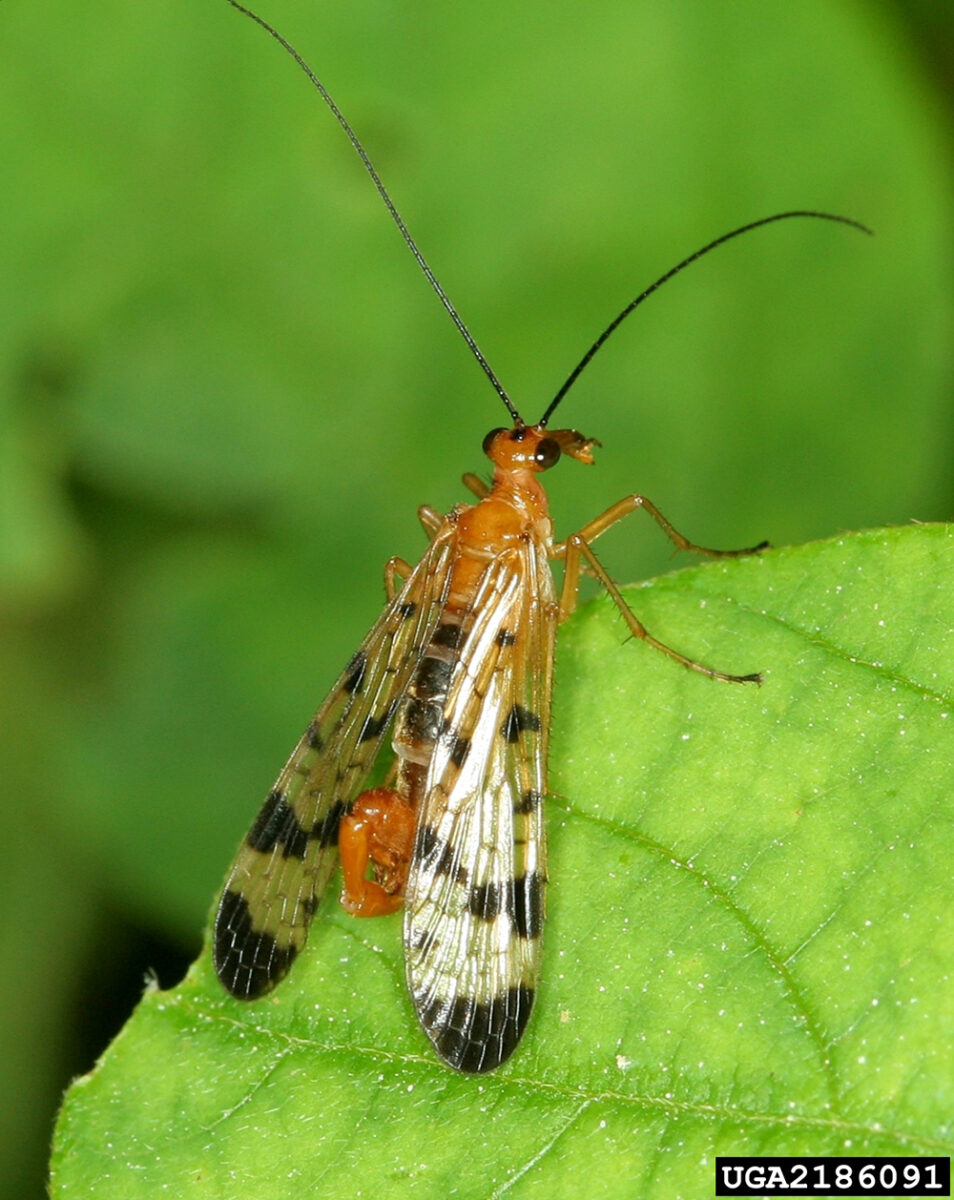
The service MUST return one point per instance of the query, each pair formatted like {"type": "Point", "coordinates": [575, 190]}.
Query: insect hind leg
{"type": "Point", "coordinates": [576, 553]}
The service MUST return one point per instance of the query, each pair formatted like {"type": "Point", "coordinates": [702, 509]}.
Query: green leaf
{"type": "Point", "coordinates": [748, 952]}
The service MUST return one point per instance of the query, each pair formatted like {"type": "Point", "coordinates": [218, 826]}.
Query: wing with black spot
{"type": "Point", "coordinates": [284, 864]}
{"type": "Point", "coordinates": [474, 905]}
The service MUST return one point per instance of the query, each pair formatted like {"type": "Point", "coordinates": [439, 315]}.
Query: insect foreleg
{"type": "Point", "coordinates": [377, 832]}
{"type": "Point", "coordinates": [577, 553]}
{"type": "Point", "coordinates": [599, 525]}
{"type": "Point", "coordinates": [475, 484]}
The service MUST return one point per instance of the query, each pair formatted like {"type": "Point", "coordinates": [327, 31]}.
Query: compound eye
{"type": "Point", "coordinates": [489, 439]}
{"type": "Point", "coordinates": [547, 453]}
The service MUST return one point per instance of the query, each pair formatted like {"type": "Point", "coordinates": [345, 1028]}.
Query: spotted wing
{"type": "Point", "coordinates": [474, 905]}
{"type": "Point", "coordinates": [282, 868]}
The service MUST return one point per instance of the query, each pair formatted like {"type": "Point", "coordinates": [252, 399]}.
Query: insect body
{"type": "Point", "coordinates": [460, 662]}
{"type": "Point", "coordinates": [460, 665]}
{"type": "Point", "coordinates": [457, 673]}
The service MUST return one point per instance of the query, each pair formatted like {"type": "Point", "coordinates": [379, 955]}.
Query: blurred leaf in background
{"type": "Point", "coordinates": [224, 387]}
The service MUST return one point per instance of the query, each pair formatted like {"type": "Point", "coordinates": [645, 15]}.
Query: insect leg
{"type": "Point", "coordinates": [599, 525]}
{"type": "Point", "coordinates": [431, 519]}
{"type": "Point", "coordinates": [396, 571]}
{"type": "Point", "coordinates": [475, 484]}
{"type": "Point", "coordinates": [378, 831]}
{"type": "Point", "coordinates": [576, 553]}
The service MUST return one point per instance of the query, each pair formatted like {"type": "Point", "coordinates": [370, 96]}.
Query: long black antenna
{"type": "Point", "coordinates": [389, 204]}
{"type": "Point", "coordinates": [726, 237]}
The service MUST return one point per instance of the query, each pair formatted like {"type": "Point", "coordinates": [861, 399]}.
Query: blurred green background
{"type": "Point", "coordinates": [224, 386]}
